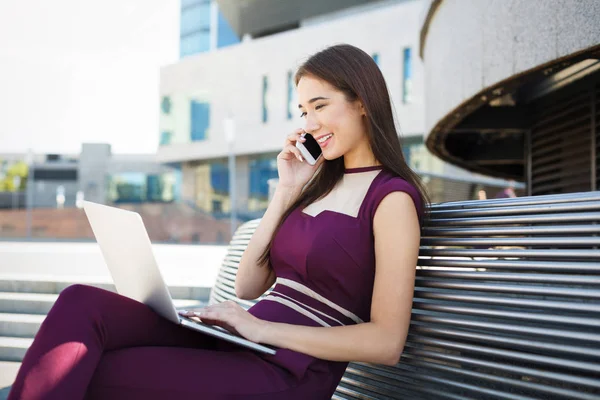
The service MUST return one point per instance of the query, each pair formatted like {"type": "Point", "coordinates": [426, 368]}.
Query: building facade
{"type": "Point", "coordinates": [252, 86]}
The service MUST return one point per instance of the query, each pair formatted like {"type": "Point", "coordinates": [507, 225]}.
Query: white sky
{"type": "Point", "coordinates": [74, 71]}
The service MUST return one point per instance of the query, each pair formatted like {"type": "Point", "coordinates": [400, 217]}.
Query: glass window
{"type": "Point", "coordinates": [261, 169]}
{"type": "Point", "coordinates": [189, 3]}
{"type": "Point", "coordinates": [412, 145]}
{"type": "Point", "coordinates": [128, 187]}
{"type": "Point", "coordinates": [406, 76]}
{"type": "Point", "coordinates": [194, 44]}
{"type": "Point", "coordinates": [176, 178]}
{"type": "Point", "coordinates": [199, 120]}
{"type": "Point", "coordinates": [219, 178]}
{"type": "Point", "coordinates": [376, 58]}
{"type": "Point", "coordinates": [225, 36]}
{"type": "Point", "coordinates": [265, 88]}
{"type": "Point", "coordinates": [290, 95]}
{"type": "Point", "coordinates": [165, 105]}
{"type": "Point", "coordinates": [138, 187]}
{"type": "Point", "coordinates": [165, 138]}
{"type": "Point", "coordinates": [217, 206]}
{"type": "Point", "coordinates": [154, 188]}
{"type": "Point", "coordinates": [194, 19]}
{"type": "Point", "coordinates": [212, 188]}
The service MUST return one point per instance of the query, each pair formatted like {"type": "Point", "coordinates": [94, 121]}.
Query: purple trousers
{"type": "Point", "coordinates": [95, 344]}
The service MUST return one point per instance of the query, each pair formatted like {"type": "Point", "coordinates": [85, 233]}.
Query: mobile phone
{"type": "Point", "coordinates": [310, 149]}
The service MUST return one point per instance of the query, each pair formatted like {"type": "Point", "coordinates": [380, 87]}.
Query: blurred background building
{"type": "Point", "coordinates": [252, 85]}
{"type": "Point", "coordinates": [493, 99]}
{"type": "Point", "coordinates": [97, 174]}
{"type": "Point", "coordinates": [47, 201]}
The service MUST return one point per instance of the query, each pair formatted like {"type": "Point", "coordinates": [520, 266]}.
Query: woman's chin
{"type": "Point", "coordinates": [329, 155]}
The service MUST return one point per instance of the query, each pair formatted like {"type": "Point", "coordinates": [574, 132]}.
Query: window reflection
{"type": "Point", "coordinates": [195, 18]}
{"type": "Point", "coordinates": [265, 89]}
{"type": "Point", "coordinates": [290, 94]}
{"type": "Point", "coordinates": [194, 43]}
{"type": "Point", "coordinates": [406, 76]}
{"type": "Point", "coordinates": [212, 191]}
{"type": "Point", "coordinates": [212, 188]}
{"type": "Point", "coordinates": [376, 58]}
{"type": "Point", "coordinates": [199, 120]}
{"type": "Point", "coordinates": [137, 187]}
{"type": "Point", "coordinates": [261, 170]}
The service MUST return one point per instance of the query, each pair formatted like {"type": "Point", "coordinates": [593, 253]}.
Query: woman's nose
{"type": "Point", "coordinates": [311, 125]}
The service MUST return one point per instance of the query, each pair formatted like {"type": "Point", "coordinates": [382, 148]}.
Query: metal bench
{"type": "Point", "coordinates": [506, 304]}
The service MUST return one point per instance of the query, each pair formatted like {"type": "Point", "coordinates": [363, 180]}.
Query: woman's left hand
{"type": "Point", "coordinates": [229, 315]}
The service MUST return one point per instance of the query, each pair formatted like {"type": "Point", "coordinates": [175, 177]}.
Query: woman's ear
{"type": "Point", "coordinates": [361, 108]}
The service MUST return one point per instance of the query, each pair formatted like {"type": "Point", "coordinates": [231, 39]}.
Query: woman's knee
{"type": "Point", "coordinates": [76, 291]}
{"type": "Point", "coordinates": [79, 295]}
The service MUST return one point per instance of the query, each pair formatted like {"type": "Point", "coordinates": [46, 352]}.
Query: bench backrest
{"type": "Point", "coordinates": [506, 304]}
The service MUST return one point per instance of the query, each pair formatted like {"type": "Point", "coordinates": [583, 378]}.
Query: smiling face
{"type": "Point", "coordinates": [336, 123]}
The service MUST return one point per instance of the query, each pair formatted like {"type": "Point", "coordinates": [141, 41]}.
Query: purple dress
{"type": "Point", "coordinates": [95, 344]}
{"type": "Point", "coordinates": [324, 260]}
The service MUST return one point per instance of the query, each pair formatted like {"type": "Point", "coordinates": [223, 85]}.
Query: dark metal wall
{"type": "Point", "coordinates": [564, 140]}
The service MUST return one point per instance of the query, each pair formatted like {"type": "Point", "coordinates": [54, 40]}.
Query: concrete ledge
{"type": "Point", "coordinates": [26, 303]}
{"type": "Point", "coordinates": [47, 284]}
{"type": "Point", "coordinates": [13, 349]}
{"type": "Point", "coordinates": [36, 303]}
{"type": "Point", "coordinates": [180, 265]}
{"type": "Point", "coordinates": [20, 325]}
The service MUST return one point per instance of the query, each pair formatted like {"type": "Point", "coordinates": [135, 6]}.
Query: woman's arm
{"type": "Point", "coordinates": [397, 236]}
{"type": "Point", "coordinates": [252, 279]}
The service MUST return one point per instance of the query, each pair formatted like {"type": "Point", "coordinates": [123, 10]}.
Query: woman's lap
{"type": "Point", "coordinates": [173, 372]}
{"type": "Point", "coordinates": [109, 346]}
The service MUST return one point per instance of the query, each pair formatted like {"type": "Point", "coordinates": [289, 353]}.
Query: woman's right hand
{"type": "Point", "coordinates": [294, 171]}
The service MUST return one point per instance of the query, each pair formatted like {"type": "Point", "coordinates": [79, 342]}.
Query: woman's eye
{"type": "Point", "coordinates": [316, 108]}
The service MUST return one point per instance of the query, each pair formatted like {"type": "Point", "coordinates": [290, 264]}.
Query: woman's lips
{"type": "Point", "coordinates": [325, 143]}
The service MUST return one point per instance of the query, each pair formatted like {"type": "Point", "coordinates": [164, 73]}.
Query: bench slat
{"type": "Point", "coordinates": [543, 390]}
{"type": "Point", "coordinates": [553, 254]}
{"type": "Point", "coordinates": [517, 219]}
{"type": "Point", "coordinates": [580, 267]}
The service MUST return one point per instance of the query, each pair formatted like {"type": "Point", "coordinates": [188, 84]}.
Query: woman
{"type": "Point", "coordinates": [340, 240]}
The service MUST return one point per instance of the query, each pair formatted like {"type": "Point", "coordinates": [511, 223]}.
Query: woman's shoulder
{"type": "Point", "coordinates": [389, 182]}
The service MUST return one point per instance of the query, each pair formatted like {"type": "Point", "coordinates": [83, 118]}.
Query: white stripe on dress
{"type": "Point", "coordinates": [296, 307]}
{"type": "Point", "coordinates": [304, 305]}
{"type": "Point", "coordinates": [311, 293]}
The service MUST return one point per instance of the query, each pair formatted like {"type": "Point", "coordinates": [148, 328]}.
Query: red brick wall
{"type": "Point", "coordinates": [164, 222]}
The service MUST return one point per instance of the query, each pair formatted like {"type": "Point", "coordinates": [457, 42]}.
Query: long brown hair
{"type": "Point", "coordinates": [354, 73]}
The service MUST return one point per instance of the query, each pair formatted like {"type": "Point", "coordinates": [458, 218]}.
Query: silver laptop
{"type": "Point", "coordinates": [127, 250]}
